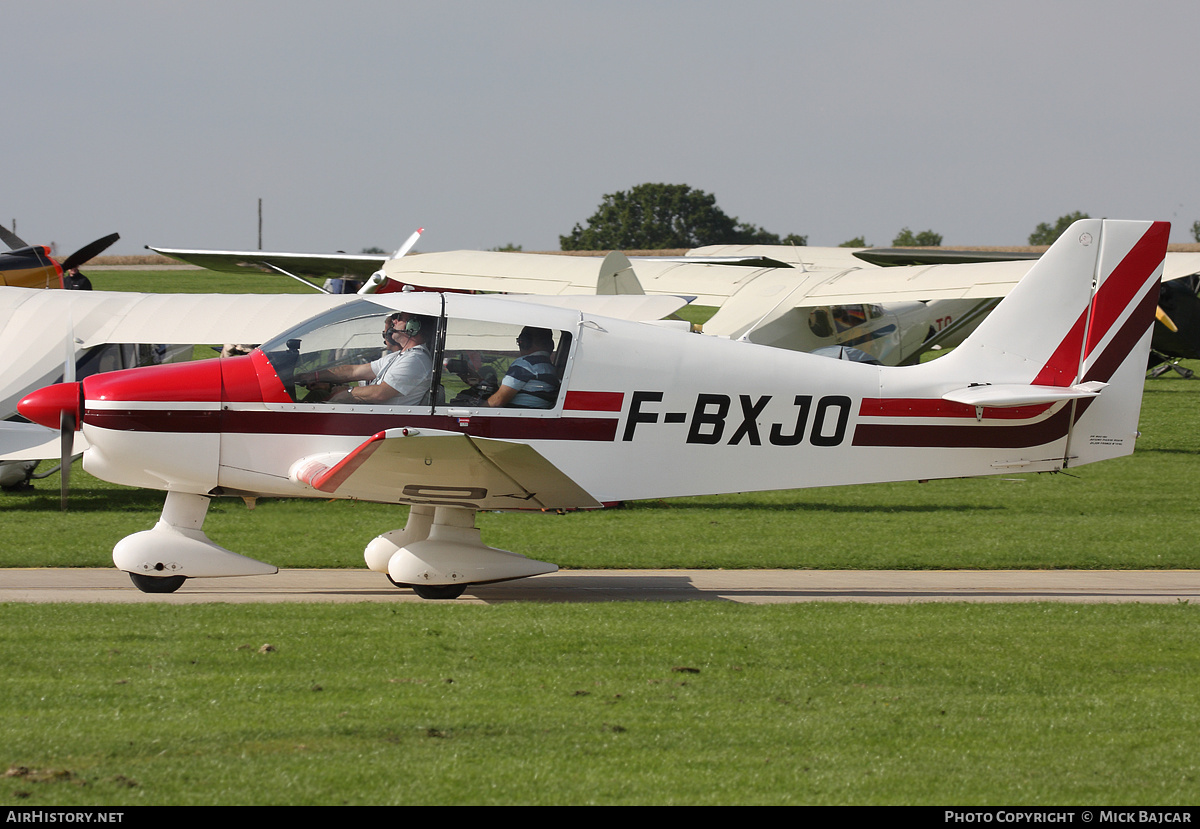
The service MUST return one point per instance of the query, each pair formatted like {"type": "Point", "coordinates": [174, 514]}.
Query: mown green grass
{"type": "Point", "coordinates": [621, 703]}
{"type": "Point", "coordinates": [195, 281]}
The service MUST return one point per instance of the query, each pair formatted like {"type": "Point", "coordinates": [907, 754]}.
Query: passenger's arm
{"type": "Point", "coordinates": [503, 397]}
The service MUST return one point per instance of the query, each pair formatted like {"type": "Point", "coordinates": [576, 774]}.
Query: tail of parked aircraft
{"type": "Point", "coordinates": [1076, 329]}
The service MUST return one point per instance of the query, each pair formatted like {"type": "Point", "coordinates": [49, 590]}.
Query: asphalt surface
{"type": "Point", "coordinates": [744, 586]}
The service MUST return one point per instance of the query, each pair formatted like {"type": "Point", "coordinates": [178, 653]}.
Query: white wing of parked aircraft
{"type": "Point", "coordinates": [799, 298]}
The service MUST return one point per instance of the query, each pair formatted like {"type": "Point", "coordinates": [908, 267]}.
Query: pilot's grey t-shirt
{"type": "Point", "coordinates": [408, 372]}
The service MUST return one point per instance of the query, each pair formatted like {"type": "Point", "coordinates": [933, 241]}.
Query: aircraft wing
{"type": "Point", "coordinates": [453, 470]}
{"type": "Point", "coordinates": [831, 277]}
{"type": "Point", "coordinates": [30, 319]}
{"type": "Point", "coordinates": [552, 274]}
{"type": "Point", "coordinates": [1178, 264]}
{"type": "Point", "coordinates": [31, 442]}
{"type": "Point", "coordinates": [709, 282]}
{"type": "Point", "coordinates": [313, 265]}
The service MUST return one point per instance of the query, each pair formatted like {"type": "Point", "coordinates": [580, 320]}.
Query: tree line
{"type": "Point", "coordinates": [676, 216]}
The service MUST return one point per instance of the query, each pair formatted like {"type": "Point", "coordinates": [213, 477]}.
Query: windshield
{"type": "Point", "coordinates": [350, 335]}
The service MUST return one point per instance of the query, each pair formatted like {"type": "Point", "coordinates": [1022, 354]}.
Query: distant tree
{"type": "Point", "coordinates": [856, 242]}
{"type": "Point", "coordinates": [373, 250]}
{"type": "Point", "coordinates": [1044, 234]}
{"type": "Point", "coordinates": [1196, 231]}
{"type": "Point", "coordinates": [658, 216]}
{"type": "Point", "coordinates": [509, 248]}
{"type": "Point", "coordinates": [925, 239]}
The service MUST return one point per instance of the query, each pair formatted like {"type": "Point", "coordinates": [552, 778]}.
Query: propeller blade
{"type": "Point", "coordinates": [1162, 317]}
{"type": "Point", "coordinates": [378, 278]}
{"type": "Point", "coordinates": [66, 443]}
{"type": "Point", "coordinates": [408, 243]}
{"type": "Point", "coordinates": [88, 251]}
{"type": "Point", "coordinates": [11, 239]}
{"type": "Point", "coordinates": [66, 419]}
{"type": "Point", "coordinates": [69, 353]}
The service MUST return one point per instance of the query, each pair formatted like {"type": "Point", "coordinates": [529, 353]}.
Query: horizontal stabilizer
{"type": "Point", "coordinates": [1004, 396]}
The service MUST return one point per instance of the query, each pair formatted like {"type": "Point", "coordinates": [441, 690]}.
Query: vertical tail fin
{"type": "Point", "coordinates": [1082, 316]}
{"type": "Point", "coordinates": [1084, 304]}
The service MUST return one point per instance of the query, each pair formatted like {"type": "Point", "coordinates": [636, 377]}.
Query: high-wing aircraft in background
{"type": "Point", "coordinates": [891, 305]}
{"type": "Point", "coordinates": [619, 410]}
{"type": "Point", "coordinates": [1177, 317]}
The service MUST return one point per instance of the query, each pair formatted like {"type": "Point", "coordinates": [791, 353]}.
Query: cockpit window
{"type": "Point", "coordinates": [346, 354]}
{"type": "Point", "coordinates": [499, 365]}
{"type": "Point", "coordinates": [846, 317]}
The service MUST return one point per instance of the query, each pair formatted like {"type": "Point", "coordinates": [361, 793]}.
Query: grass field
{"type": "Point", "coordinates": [619, 703]}
{"type": "Point", "coordinates": [631, 703]}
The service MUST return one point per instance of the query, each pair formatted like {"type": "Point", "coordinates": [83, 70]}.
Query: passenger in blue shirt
{"type": "Point", "coordinates": [531, 381]}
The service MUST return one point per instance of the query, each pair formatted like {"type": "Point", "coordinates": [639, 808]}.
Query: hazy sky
{"type": "Point", "coordinates": [507, 121]}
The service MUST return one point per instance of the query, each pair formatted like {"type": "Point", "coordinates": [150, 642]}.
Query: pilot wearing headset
{"type": "Point", "coordinates": [401, 375]}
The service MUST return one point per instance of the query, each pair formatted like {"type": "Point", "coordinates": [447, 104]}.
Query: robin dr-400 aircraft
{"type": "Point", "coordinates": [1052, 378]}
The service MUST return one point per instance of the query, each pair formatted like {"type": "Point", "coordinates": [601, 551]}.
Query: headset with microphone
{"type": "Point", "coordinates": [412, 327]}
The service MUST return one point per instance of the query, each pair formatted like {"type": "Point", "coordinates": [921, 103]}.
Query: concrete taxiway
{"type": "Point", "coordinates": [744, 586]}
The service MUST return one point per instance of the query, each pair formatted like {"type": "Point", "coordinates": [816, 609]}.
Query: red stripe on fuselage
{"type": "Point", "coordinates": [594, 401]}
{"type": "Point", "coordinates": [920, 407]}
{"type": "Point", "coordinates": [344, 423]}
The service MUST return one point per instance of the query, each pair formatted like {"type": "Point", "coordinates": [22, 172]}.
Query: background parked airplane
{"type": "Point", "coordinates": [892, 305]}
{"type": "Point", "coordinates": [32, 266]}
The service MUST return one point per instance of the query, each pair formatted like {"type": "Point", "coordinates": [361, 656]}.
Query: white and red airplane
{"type": "Point", "coordinates": [1051, 379]}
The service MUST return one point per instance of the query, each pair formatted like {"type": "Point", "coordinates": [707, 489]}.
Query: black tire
{"type": "Point", "coordinates": [157, 584]}
{"type": "Point", "coordinates": [439, 591]}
